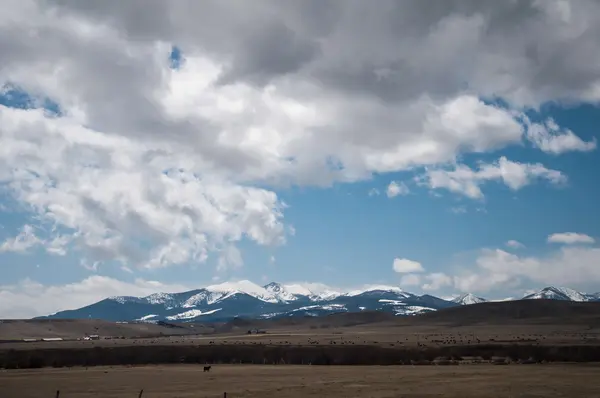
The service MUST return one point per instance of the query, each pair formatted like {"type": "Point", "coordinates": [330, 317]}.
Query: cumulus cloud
{"type": "Point", "coordinates": [28, 240]}
{"type": "Point", "coordinates": [551, 138]}
{"type": "Point", "coordinates": [29, 298]}
{"type": "Point", "coordinates": [466, 181]}
{"type": "Point", "coordinates": [24, 241]}
{"type": "Point", "coordinates": [394, 189]}
{"type": "Point", "coordinates": [406, 266]}
{"type": "Point", "coordinates": [410, 280]}
{"type": "Point", "coordinates": [497, 270]}
{"type": "Point", "coordinates": [134, 154]}
{"type": "Point", "coordinates": [570, 238]}
{"type": "Point", "coordinates": [515, 244]}
{"type": "Point", "coordinates": [436, 281]}
{"type": "Point", "coordinates": [231, 257]}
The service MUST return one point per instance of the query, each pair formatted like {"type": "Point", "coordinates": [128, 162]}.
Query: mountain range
{"type": "Point", "coordinates": [245, 299]}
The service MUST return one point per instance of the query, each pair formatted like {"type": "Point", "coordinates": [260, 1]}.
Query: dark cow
{"type": "Point", "coordinates": [207, 368]}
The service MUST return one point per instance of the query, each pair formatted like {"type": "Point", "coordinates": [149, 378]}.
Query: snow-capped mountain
{"type": "Point", "coordinates": [561, 293]}
{"type": "Point", "coordinates": [468, 298]}
{"type": "Point", "coordinates": [275, 300]}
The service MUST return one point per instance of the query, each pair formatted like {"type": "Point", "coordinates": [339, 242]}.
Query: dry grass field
{"type": "Point", "coordinates": [534, 337]}
{"type": "Point", "coordinates": [399, 336]}
{"type": "Point", "coordinates": [281, 381]}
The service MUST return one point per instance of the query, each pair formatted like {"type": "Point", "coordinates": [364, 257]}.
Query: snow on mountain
{"type": "Point", "coordinates": [146, 317]}
{"type": "Point", "coordinates": [502, 299]}
{"type": "Point", "coordinates": [190, 314]}
{"type": "Point", "coordinates": [126, 299]}
{"type": "Point", "coordinates": [558, 293]}
{"type": "Point", "coordinates": [246, 287]}
{"type": "Point", "coordinates": [467, 299]}
{"type": "Point", "coordinates": [159, 298]}
{"type": "Point", "coordinates": [379, 288]}
{"type": "Point", "coordinates": [314, 291]}
{"type": "Point", "coordinates": [280, 291]}
{"type": "Point", "coordinates": [594, 296]}
{"type": "Point", "coordinates": [205, 297]}
{"type": "Point", "coordinates": [327, 307]}
{"type": "Point", "coordinates": [413, 310]}
{"type": "Point", "coordinates": [246, 299]}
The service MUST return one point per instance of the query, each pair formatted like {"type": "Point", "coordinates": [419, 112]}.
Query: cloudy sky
{"type": "Point", "coordinates": [444, 147]}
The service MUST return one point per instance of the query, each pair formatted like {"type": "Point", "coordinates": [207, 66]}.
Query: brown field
{"type": "Point", "coordinates": [384, 335]}
{"type": "Point", "coordinates": [530, 330]}
{"type": "Point", "coordinates": [281, 381]}
{"type": "Point", "coordinates": [531, 322]}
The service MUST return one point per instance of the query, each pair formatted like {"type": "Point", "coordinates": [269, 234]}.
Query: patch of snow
{"type": "Point", "coordinates": [205, 297]}
{"type": "Point", "coordinates": [159, 298]}
{"type": "Point", "coordinates": [125, 299]}
{"type": "Point", "coordinates": [314, 291]}
{"type": "Point", "coordinates": [383, 288]}
{"type": "Point", "coordinates": [327, 307]}
{"type": "Point", "coordinates": [503, 299]}
{"type": "Point", "coordinates": [413, 310]}
{"type": "Point", "coordinates": [393, 302]}
{"type": "Point", "coordinates": [279, 291]}
{"type": "Point", "coordinates": [244, 286]}
{"type": "Point", "coordinates": [271, 315]}
{"type": "Point", "coordinates": [146, 317]}
{"type": "Point", "coordinates": [191, 314]}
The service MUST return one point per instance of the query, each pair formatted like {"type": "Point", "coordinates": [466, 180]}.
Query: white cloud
{"type": "Point", "coordinates": [374, 192]}
{"type": "Point", "coordinates": [551, 138]}
{"type": "Point", "coordinates": [406, 266]}
{"type": "Point", "coordinates": [458, 209]}
{"type": "Point", "coordinates": [436, 281]}
{"type": "Point", "coordinates": [29, 298]}
{"type": "Point", "coordinates": [230, 257]}
{"type": "Point", "coordinates": [514, 244]}
{"type": "Point", "coordinates": [466, 181]}
{"type": "Point", "coordinates": [410, 280]}
{"type": "Point", "coordinates": [498, 270]}
{"type": "Point", "coordinates": [570, 238]}
{"type": "Point", "coordinates": [394, 189]}
{"type": "Point", "coordinates": [25, 240]}
{"type": "Point", "coordinates": [186, 161]}
{"type": "Point", "coordinates": [115, 196]}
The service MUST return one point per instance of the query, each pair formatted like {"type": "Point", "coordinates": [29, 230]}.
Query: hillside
{"type": "Point", "coordinates": [78, 328]}
{"type": "Point", "coordinates": [543, 311]}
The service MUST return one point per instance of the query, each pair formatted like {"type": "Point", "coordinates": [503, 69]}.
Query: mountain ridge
{"type": "Point", "coordinates": [230, 300]}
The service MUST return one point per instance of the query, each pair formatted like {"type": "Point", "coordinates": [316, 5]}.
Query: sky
{"type": "Point", "coordinates": [163, 146]}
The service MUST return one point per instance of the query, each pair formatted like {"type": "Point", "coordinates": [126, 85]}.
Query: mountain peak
{"type": "Point", "coordinates": [468, 298]}
{"type": "Point", "coordinates": [273, 286]}
{"type": "Point", "coordinates": [557, 293]}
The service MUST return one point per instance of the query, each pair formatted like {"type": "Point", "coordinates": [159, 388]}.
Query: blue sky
{"type": "Point", "coordinates": [162, 158]}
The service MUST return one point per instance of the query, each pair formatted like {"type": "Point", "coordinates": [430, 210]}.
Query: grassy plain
{"type": "Point", "coordinates": [288, 381]}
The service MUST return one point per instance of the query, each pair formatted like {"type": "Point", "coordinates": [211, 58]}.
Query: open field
{"type": "Point", "coordinates": [182, 381]}
{"type": "Point", "coordinates": [71, 329]}
{"type": "Point", "coordinates": [375, 335]}
{"type": "Point", "coordinates": [535, 329]}
{"type": "Point", "coordinates": [501, 320]}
